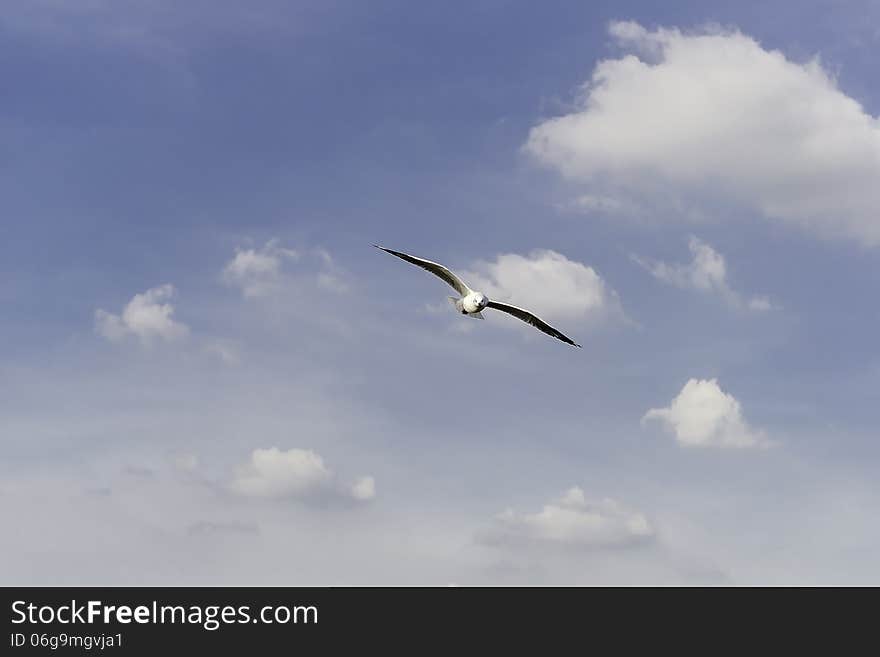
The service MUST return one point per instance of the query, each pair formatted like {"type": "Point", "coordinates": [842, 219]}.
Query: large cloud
{"type": "Point", "coordinates": [148, 316]}
{"type": "Point", "coordinates": [547, 283]}
{"type": "Point", "coordinates": [572, 521]}
{"type": "Point", "coordinates": [714, 113]}
{"type": "Point", "coordinates": [295, 474]}
{"type": "Point", "coordinates": [707, 272]}
{"type": "Point", "coordinates": [703, 415]}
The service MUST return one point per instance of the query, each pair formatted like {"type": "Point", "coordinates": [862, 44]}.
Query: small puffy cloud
{"type": "Point", "coordinates": [703, 415]}
{"type": "Point", "coordinates": [260, 272]}
{"type": "Point", "coordinates": [295, 474]}
{"type": "Point", "coordinates": [572, 521]}
{"type": "Point", "coordinates": [546, 283]}
{"type": "Point", "coordinates": [273, 473]}
{"type": "Point", "coordinates": [713, 115]}
{"type": "Point", "coordinates": [257, 271]}
{"type": "Point", "coordinates": [707, 272]}
{"type": "Point", "coordinates": [147, 316]}
{"type": "Point", "coordinates": [364, 489]}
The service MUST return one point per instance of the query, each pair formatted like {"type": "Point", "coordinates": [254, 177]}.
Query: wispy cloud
{"type": "Point", "coordinates": [706, 272]}
{"type": "Point", "coordinates": [571, 521]}
{"type": "Point", "coordinates": [264, 271]}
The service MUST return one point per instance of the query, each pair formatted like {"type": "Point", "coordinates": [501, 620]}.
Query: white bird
{"type": "Point", "coordinates": [471, 303]}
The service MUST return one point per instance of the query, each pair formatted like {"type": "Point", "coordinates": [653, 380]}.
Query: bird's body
{"type": "Point", "coordinates": [472, 303]}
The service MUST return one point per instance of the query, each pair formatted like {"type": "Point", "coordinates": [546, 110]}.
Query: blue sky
{"type": "Point", "coordinates": [202, 357]}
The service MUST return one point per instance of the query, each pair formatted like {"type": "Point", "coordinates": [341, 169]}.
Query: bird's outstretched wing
{"type": "Point", "coordinates": [434, 268]}
{"type": "Point", "coordinates": [529, 318]}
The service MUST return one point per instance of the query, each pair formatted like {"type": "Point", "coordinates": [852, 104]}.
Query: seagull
{"type": "Point", "coordinates": [471, 303]}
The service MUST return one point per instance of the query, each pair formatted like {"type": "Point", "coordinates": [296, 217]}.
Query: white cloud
{"type": "Point", "coordinates": [713, 114]}
{"type": "Point", "coordinates": [707, 272]}
{"type": "Point", "coordinates": [260, 272]}
{"type": "Point", "coordinates": [547, 283]}
{"type": "Point", "coordinates": [364, 489]}
{"type": "Point", "coordinates": [295, 474]}
{"type": "Point", "coordinates": [147, 316]}
{"type": "Point", "coordinates": [703, 415]}
{"type": "Point", "coordinates": [257, 271]}
{"type": "Point", "coordinates": [331, 277]}
{"type": "Point", "coordinates": [572, 521]}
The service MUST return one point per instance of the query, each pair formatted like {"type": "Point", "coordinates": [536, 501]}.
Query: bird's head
{"type": "Point", "coordinates": [482, 300]}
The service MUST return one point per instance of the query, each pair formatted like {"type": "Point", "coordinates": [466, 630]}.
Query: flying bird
{"type": "Point", "coordinates": [471, 303]}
